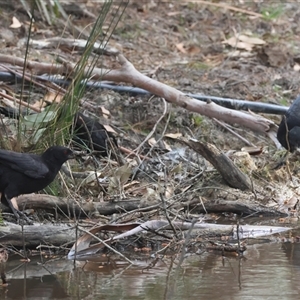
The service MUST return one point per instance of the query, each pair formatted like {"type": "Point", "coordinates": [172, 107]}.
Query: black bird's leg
{"type": "Point", "coordinates": [18, 213]}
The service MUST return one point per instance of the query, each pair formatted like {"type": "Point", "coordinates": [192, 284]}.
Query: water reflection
{"type": "Point", "coordinates": [270, 271]}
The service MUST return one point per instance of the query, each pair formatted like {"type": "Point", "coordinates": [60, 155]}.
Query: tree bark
{"type": "Point", "coordinates": [35, 235]}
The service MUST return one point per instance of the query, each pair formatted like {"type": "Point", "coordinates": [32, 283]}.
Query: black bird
{"type": "Point", "coordinates": [288, 133]}
{"type": "Point", "coordinates": [92, 135]}
{"type": "Point", "coordinates": [24, 173]}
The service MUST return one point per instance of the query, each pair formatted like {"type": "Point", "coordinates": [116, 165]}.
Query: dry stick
{"type": "Point", "coordinates": [106, 245]}
{"type": "Point", "coordinates": [23, 239]}
{"type": "Point", "coordinates": [29, 78]}
{"type": "Point", "coordinates": [69, 193]}
{"type": "Point", "coordinates": [228, 7]}
{"type": "Point", "coordinates": [76, 239]}
{"type": "Point", "coordinates": [162, 134]}
{"type": "Point", "coordinates": [38, 67]}
{"type": "Point", "coordinates": [153, 129]}
{"type": "Point", "coordinates": [128, 74]}
{"type": "Point", "coordinates": [71, 43]}
{"type": "Point", "coordinates": [167, 215]}
{"type": "Point", "coordinates": [65, 248]}
{"type": "Point", "coordinates": [54, 86]}
{"type": "Point", "coordinates": [150, 134]}
{"type": "Point", "coordinates": [238, 237]}
{"type": "Point", "coordinates": [228, 170]}
{"type": "Point", "coordinates": [131, 153]}
{"type": "Point", "coordinates": [203, 204]}
{"type": "Point", "coordinates": [167, 123]}
{"type": "Point", "coordinates": [143, 209]}
{"type": "Point", "coordinates": [6, 96]}
{"type": "Point", "coordinates": [234, 133]}
{"type": "Point", "coordinates": [185, 244]}
{"type": "Point", "coordinates": [288, 145]}
{"type": "Point", "coordinates": [75, 174]}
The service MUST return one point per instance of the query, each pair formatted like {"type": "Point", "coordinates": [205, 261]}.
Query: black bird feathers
{"type": "Point", "coordinates": [92, 135]}
{"type": "Point", "coordinates": [24, 173]}
{"type": "Point", "coordinates": [288, 133]}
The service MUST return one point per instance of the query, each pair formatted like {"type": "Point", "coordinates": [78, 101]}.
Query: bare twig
{"type": "Point", "coordinates": [229, 7]}
{"type": "Point", "coordinates": [106, 245]}
{"type": "Point", "coordinates": [154, 128]}
{"type": "Point", "coordinates": [234, 133]}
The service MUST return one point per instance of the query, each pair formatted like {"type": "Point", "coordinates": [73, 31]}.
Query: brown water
{"type": "Point", "coordinates": [270, 271]}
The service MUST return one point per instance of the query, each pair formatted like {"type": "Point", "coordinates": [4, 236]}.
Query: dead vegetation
{"type": "Point", "coordinates": [180, 163]}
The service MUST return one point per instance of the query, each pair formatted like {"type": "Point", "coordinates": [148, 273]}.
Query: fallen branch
{"type": "Point", "coordinates": [229, 7]}
{"type": "Point", "coordinates": [72, 44]}
{"type": "Point", "coordinates": [236, 104]}
{"type": "Point", "coordinates": [82, 249]}
{"type": "Point", "coordinates": [230, 173]}
{"type": "Point", "coordinates": [240, 207]}
{"type": "Point", "coordinates": [70, 207]}
{"type": "Point", "coordinates": [127, 73]}
{"type": "Point", "coordinates": [34, 235]}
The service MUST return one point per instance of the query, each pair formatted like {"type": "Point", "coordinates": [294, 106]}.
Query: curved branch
{"type": "Point", "coordinates": [127, 73]}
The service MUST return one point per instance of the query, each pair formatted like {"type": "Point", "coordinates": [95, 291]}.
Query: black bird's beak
{"type": "Point", "coordinates": [71, 155]}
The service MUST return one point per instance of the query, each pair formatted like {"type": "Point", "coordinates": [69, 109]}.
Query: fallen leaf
{"type": "Point", "coordinates": [130, 184]}
{"type": "Point", "coordinates": [91, 178]}
{"type": "Point", "coordinates": [235, 43]}
{"type": "Point", "coordinates": [53, 97]}
{"type": "Point", "coordinates": [39, 104]}
{"type": "Point", "coordinates": [252, 150]}
{"type": "Point", "coordinates": [169, 192]}
{"type": "Point", "coordinates": [192, 50]}
{"type": "Point", "coordinates": [167, 146]}
{"type": "Point", "coordinates": [105, 112]}
{"type": "Point", "coordinates": [109, 129]}
{"type": "Point", "coordinates": [177, 169]}
{"type": "Point", "coordinates": [235, 53]}
{"type": "Point", "coordinates": [152, 142]}
{"type": "Point", "coordinates": [174, 13]}
{"type": "Point", "coordinates": [15, 23]}
{"type": "Point", "coordinates": [173, 135]}
{"type": "Point", "coordinates": [180, 47]}
{"type": "Point", "coordinates": [251, 40]}
{"type": "Point", "coordinates": [296, 67]}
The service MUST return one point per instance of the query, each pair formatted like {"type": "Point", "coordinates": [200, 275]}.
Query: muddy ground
{"type": "Point", "coordinates": [247, 51]}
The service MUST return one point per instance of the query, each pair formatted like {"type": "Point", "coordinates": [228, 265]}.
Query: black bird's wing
{"type": "Point", "coordinates": [290, 124]}
{"type": "Point", "coordinates": [28, 164]}
{"type": "Point", "coordinates": [91, 133]}
{"type": "Point", "coordinates": [293, 112]}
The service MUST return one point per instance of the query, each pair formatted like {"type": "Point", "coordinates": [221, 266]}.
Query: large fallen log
{"type": "Point", "coordinates": [49, 235]}
{"type": "Point", "coordinates": [83, 249]}
{"type": "Point", "coordinates": [71, 208]}
{"type": "Point", "coordinates": [34, 235]}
